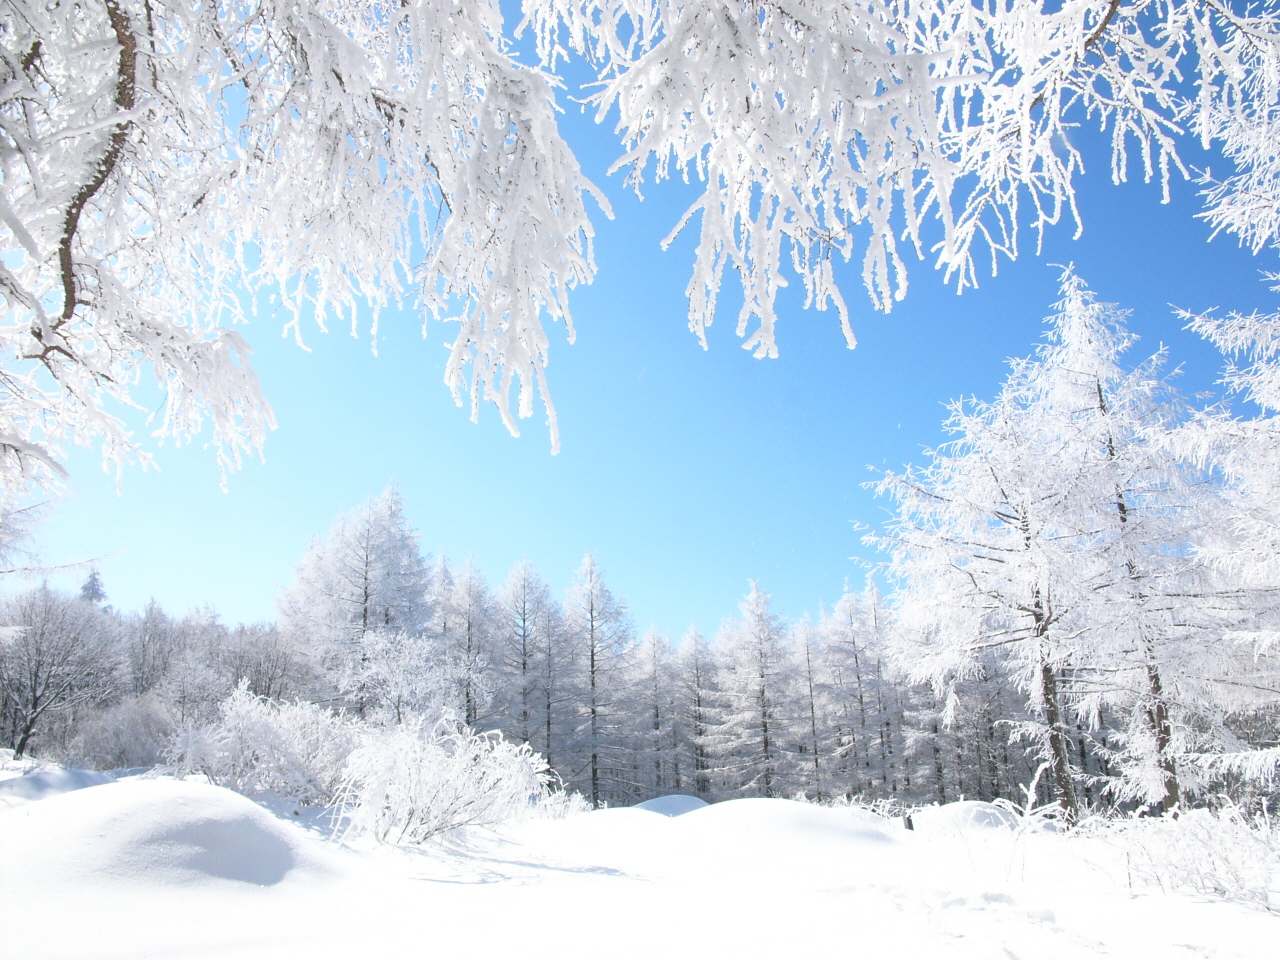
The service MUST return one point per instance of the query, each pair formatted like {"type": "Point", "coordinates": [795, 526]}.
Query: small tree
{"type": "Point", "coordinates": [91, 590]}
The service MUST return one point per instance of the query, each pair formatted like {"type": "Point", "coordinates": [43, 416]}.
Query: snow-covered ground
{"type": "Point", "coordinates": [156, 868]}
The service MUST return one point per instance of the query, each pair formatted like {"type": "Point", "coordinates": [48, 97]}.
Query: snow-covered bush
{"type": "Point", "coordinates": [400, 784]}
{"type": "Point", "coordinates": [1219, 853]}
{"type": "Point", "coordinates": [296, 750]}
{"type": "Point", "coordinates": [409, 783]}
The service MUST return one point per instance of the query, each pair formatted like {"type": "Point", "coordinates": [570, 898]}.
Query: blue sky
{"type": "Point", "coordinates": [687, 472]}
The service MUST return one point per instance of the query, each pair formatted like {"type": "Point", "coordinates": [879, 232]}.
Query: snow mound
{"type": "Point", "coordinates": [756, 819]}
{"type": "Point", "coordinates": [48, 783]}
{"type": "Point", "coordinates": [672, 805]}
{"type": "Point", "coordinates": [156, 832]}
{"type": "Point", "coordinates": [964, 815]}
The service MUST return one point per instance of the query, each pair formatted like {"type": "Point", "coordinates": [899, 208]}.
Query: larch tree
{"type": "Point", "coordinates": [753, 727]}
{"type": "Point", "coordinates": [467, 617]}
{"type": "Point", "coordinates": [601, 632]}
{"type": "Point", "coordinates": [980, 556]}
{"type": "Point", "coordinates": [811, 732]}
{"type": "Point", "coordinates": [697, 678]}
{"type": "Point", "coordinates": [523, 613]}
{"type": "Point", "coordinates": [657, 727]}
{"type": "Point", "coordinates": [366, 575]}
{"type": "Point", "coordinates": [1060, 528]}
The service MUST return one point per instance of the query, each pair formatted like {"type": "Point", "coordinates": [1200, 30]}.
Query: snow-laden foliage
{"type": "Point", "coordinates": [1222, 852]}
{"type": "Point", "coordinates": [821, 125]}
{"type": "Point", "coordinates": [1059, 532]}
{"type": "Point", "coordinates": [160, 158]}
{"type": "Point", "coordinates": [297, 750]}
{"type": "Point", "coordinates": [400, 783]}
{"type": "Point", "coordinates": [409, 783]}
{"type": "Point", "coordinates": [166, 161]}
{"type": "Point", "coordinates": [134, 733]}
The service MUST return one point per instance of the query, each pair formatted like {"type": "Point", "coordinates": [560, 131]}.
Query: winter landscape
{"type": "Point", "coordinates": [645, 659]}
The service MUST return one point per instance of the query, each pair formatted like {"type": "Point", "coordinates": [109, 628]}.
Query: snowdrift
{"type": "Point", "coordinates": [169, 869]}
{"type": "Point", "coordinates": [155, 833]}
{"type": "Point", "coordinates": [672, 805]}
{"type": "Point", "coordinates": [48, 783]}
{"type": "Point", "coordinates": [963, 815]}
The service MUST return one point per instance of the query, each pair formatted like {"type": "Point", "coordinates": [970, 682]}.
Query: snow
{"type": "Point", "coordinates": [158, 833]}
{"type": "Point", "coordinates": [672, 805]}
{"type": "Point", "coordinates": [48, 783]}
{"type": "Point", "coordinates": [970, 814]}
{"type": "Point", "coordinates": [159, 868]}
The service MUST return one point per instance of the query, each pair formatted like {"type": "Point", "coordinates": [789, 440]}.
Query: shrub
{"type": "Point", "coordinates": [409, 783]}
{"type": "Point", "coordinates": [296, 750]}
{"type": "Point", "coordinates": [1219, 853]}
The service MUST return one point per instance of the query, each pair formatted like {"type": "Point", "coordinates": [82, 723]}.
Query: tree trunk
{"type": "Point", "coordinates": [1059, 748]}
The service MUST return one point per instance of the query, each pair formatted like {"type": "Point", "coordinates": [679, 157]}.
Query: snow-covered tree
{"type": "Point", "coordinates": [464, 624]}
{"type": "Point", "coordinates": [699, 690]}
{"type": "Point", "coordinates": [366, 574]}
{"type": "Point", "coordinates": [657, 726]}
{"type": "Point", "coordinates": [1060, 527]}
{"type": "Point", "coordinates": [403, 676]}
{"type": "Point", "coordinates": [982, 557]}
{"type": "Point", "coordinates": [602, 638]}
{"type": "Point", "coordinates": [524, 610]}
{"type": "Point", "coordinates": [753, 725]}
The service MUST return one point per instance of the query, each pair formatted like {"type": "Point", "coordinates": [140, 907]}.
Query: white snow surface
{"type": "Point", "coordinates": [155, 868]}
{"type": "Point", "coordinates": [964, 815]}
{"type": "Point", "coordinates": [672, 805]}
{"type": "Point", "coordinates": [48, 783]}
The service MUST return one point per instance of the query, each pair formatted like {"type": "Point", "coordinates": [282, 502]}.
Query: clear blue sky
{"type": "Point", "coordinates": [687, 472]}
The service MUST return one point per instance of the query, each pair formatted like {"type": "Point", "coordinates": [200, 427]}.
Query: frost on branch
{"type": "Point", "coordinates": [818, 125]}
{"type": "Point", "coordinates": [157, 158]}
{"type": "Point", "coordinates": [410, 783]}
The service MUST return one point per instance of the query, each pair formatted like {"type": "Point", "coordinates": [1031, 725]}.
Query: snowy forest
{"type": "Point", "coordinates": [1076, 594]}
{"type": "Point", "coordinates": [1044, 719]}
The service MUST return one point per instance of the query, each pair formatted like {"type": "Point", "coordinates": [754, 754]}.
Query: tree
{"type": "Point", "coordinates": [91, 591]}
{"type": "Point", "coordinates": [982, 558]}
{"type": "Point", "coordinates": [160, 157]}
{"type": "Point", "coordinates": [55, 653]}
{"type": "Point", "coordinates": [1061, 527]}
{"type": "Point", "coordinates": [602, 635]}
{"type": "Point", "coordinates": [698, 689]}
{"type": "Point", "coordinates": [656, 721]}
{"type": "Point", "coordinates": [366, 574]}
{"type": "Point", "coordinates": [813, 735]}
{"type": "Point", "coordinates": [525, 610]}
{"type": "Point", "coordinates": [465, 620]}
{"type": "Point", "coordinates": [752, 727]}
